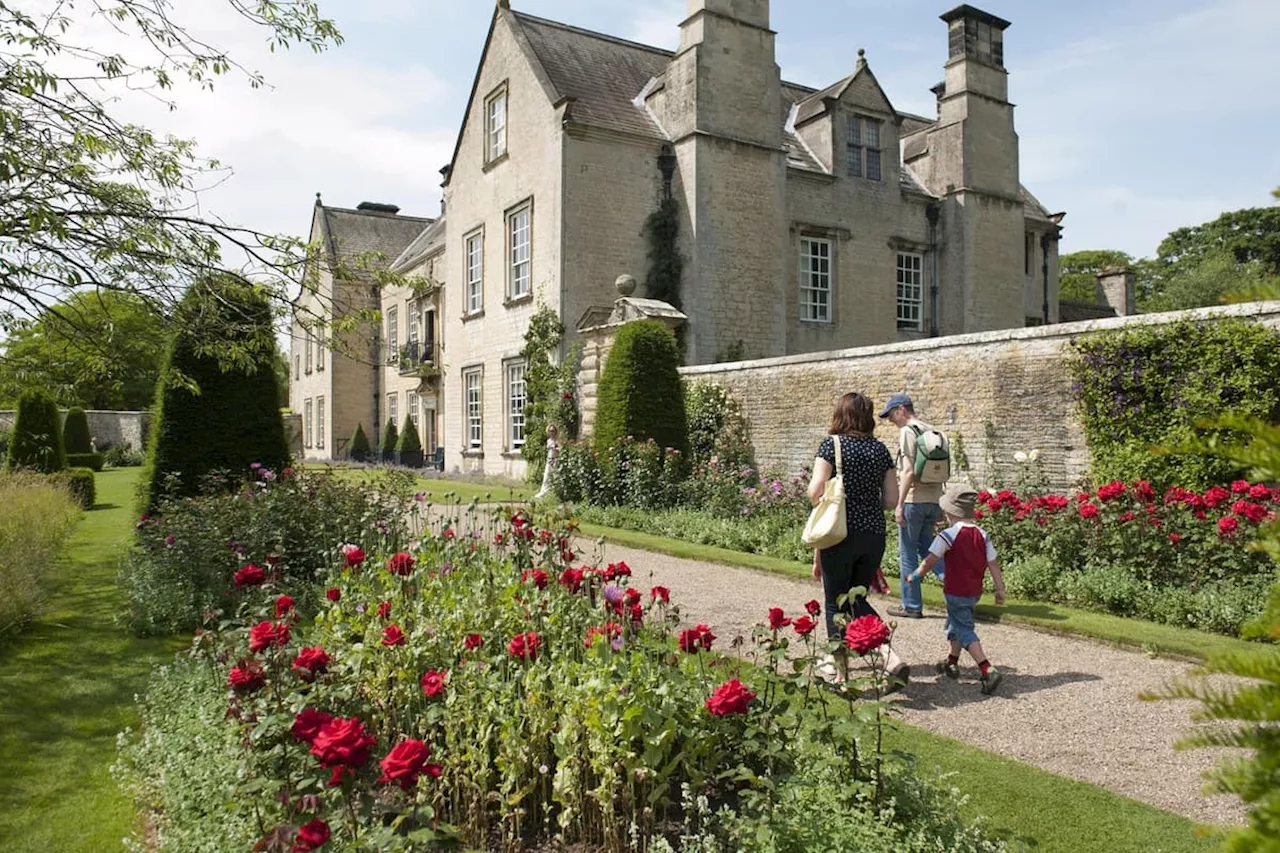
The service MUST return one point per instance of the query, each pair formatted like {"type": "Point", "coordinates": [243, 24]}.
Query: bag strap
{"type": "Point", "coordinates": [837, 451]}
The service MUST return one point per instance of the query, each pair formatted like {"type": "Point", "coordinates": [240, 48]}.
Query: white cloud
{"type": "Point", "coordinates": [657, 24]}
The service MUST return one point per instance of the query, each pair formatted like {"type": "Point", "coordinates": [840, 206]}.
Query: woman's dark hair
{"type": "Point", "coordinates": [854, 413]}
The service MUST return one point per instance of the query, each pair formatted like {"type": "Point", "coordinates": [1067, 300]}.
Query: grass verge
{"type": "Point", "coordinates": [436, 488]}
{"type": "Point", "coordinates": [67, 684]}
{"type": "Point", "coordinates": [1133, 633]}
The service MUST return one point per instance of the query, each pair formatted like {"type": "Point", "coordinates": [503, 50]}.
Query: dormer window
{"type": "Point", "coordinates": [862, 147]}
{"type": "Point", "coordinates": [495, 125]}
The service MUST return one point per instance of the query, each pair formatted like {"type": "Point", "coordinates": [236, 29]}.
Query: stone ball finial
{"type": "Point", "coordinates": [625, 284]}
{"type": "Point", "coordinates": [862, 53]}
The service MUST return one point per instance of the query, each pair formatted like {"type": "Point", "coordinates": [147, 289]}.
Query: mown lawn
{"type": "Point", "coordinates": [438, 490]}
{"type": "Point", "coordinates": [67, 685]}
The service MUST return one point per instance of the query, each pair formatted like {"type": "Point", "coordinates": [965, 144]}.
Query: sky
{"type": "Point", "coordinates": [1135, 117]}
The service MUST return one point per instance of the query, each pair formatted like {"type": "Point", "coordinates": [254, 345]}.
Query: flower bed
{"type": "Point", "coordinates": [501, 696]}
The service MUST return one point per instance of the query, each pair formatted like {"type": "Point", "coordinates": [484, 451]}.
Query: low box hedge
{"type": "Point", "coordinates": [81, 483]}
{"type": "Point", "coordinates": [94, 461]}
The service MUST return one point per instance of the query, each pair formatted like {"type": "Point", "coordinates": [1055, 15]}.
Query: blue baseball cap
{"type": "Point", "coordinates": [899, 399]}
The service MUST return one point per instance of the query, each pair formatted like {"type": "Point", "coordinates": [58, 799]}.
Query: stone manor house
{"type": "Point", "coordinates": [809, 220]}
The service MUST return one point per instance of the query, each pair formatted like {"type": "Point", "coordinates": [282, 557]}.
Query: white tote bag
{"type": "Point", "coordinates": [827, 525]}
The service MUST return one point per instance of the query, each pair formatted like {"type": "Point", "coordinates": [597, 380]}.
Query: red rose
{"type": "Point", "coordinates": [525, 646]}
{"type": "Point", "coordinates": [732, 697]}
{"type": "Point", "coordinates": [250, 575]}
{"type": "Point", "coordinates": [1259, 492]}
{"type": "Point", "coordinates": [264, 635]}
{"type": "Point", "coordinates": [1144, 491]}
{"type": "Point", "coordinates": [1256, 513]}
{"type": "Point", "coordinates": [471, 642]}
{"type": "Point", "coordinates": [804, 626]}
{"type": "Point", "coordinates": [342, 744]}
{"type": "Point", "coordinates": [400, 564]}
{"type": "Point", "coordinates": [1240, 487]}
{"type": "Point", "coordinates": [448, 533]}
{"type": "Point", "coordinates": [433, 682]}
{"type": "Point", "coordinates": [617, 570]}
{"type": "Point", "coordinates": [537, 577]}
{"type": "Point", "coordinates": [1124, 516]}
{"type": "Point", "coordinates": [866, 633]}
{"type": "Point", "coordinates": [307, 724]}
{"type": "Point", "coordinates": [1227, 525]}
{"type": "Point", "coordinates": [813, 608]}
{"type": "Point", "coordinates": [608, 630]}
{"type": "Point", "coordinates": [333, 593]}
{"type": "Point", "coordinates": [571, 579]}
{"type": "Point", "coordinates": [696, 639]}
{"type": "Point", "coordinates": [392, 636]}
{"type": "Point", "coordinates": [1088, 510]}
{"type": "Point", "coordinates": [406, 762]}
{"type": "Point", "coordinates": [247, 676]}
{"type": "Point", "coordinates": [1110, 491]}
{"type": "Point", "coordinates": [660, 592]}
{"type": "Point", "coordinates": [352, 555]}
{"type": "Point", "coordinates": [1215, 497]}
{"type": "Point", "coordinates": [284, 605]}
{"type": "Point", "coordinates": [384, 610]}
{"type": "Point", "coordinates": [631, 597]}
{"type": "Point", "coordinates": [310, 662]}
{"type": "Point", "coordinates": [637, 613]}
{"type": "Point", "coordinates": [311, 836]}
{"type": "Point", "coordinates": [777, 619]}
{"type": "Point", "coordinates": [1175, 538]}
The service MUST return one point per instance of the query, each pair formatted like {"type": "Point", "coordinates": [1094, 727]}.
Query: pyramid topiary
{"type": "Point", "coordinates": [389, 439]}
{"type": "Point", "coordinates": [231, 418]}
{"type": "Point", "coordinates": [37, 436]}
{"type": "Point", "coordinates": [359, 447]}
{"type": "Point", "coordinates": [409, 440]}
{"type": "Point", "coordinates": [75, 432]}
{"type": "Point", "coordinates": [640, 394]}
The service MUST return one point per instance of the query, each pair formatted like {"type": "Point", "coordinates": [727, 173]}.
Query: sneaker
{"type": "Point", "coordinates": [898, 680]}
{"type": "Point", "coordinates": [950, 670]}
{"type": "Point", "coordinates": [904, 613]}
{"type": "Point", "coordinates": [991, 681]}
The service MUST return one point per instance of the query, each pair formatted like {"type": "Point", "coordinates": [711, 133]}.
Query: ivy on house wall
{"type": "Point", "coordinates": [550, 388]}
{"type": "Point", "coordinates": [661, 232]}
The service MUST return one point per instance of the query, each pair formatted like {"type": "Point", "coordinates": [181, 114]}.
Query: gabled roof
{"type": "Point", "coordinates": [816, 104]}
{"type": "Point", "coordinates": [349, 233]}
{"type": "Point", "coordinates": [430, 239]}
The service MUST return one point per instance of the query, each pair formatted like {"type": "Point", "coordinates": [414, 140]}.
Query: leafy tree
{"type": "Point", "coordinates": [214, 416]}
{"type": "Point", "coordinates": [75, 432]}
{"type": "Point", "coordinates": [640, 393]}
{"type": "Point", "coordinates": [549, 388]}
{"type": "Point", "coordinates": [1215, 278]}
{"type": "Point", "coordinates": [94, 202]}
{"type": "Point", "coordinates": [1078, 272]}
{"type": "Point", "coordinates": [1249, 237]}
{"type": "Point", "coordinates": [37, 435]}
{"type": "Point", "coordinates": [100, 350]}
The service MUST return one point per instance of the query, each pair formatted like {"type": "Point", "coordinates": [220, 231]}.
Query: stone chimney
{"type": "Point", "coordinates": [1116, 288]}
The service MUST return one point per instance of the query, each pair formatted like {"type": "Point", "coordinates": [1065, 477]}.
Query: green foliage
{"type": "Point", "coordinates": [6, 435]}
{"type": "Point", "coordinates": [231, 417]}
{"type": "Point", "coordinates": [124, 456]}
{"type": "Point", "coordinates": [37, 518]}
{"type": "Point", "coordinates": [1211, 279]}
{"type": "Point", "coordinates": [185, 554]}
{"type": "Point", "coordinates": [641, 394]}
{"type": "Point", "coordinates": [409, 441]}
{"type": "Point", "coordinates": [37, 435]}
{"type": "Point", "coordinates": [359, 447]}
{"type": "Point", "coordinates": [390, 437]}
{"type": "Point", "coordinates": [102, 350]}
{"type": "Point", "coordinates": [92, 461]}
{"type": "Point", "coordinates": [75, 432]}
{"type": "Point", "coordinates": [1141, 388]}
{"type": "Point", "coordinates": [1252, 710]}
{"type": "Point", "coordinates": [717, 426]}
{"type": "Point", "coordinates": [550, 388]}
{"type": "Point", "coordinates": [666, 266]}
{"type": "Point", "coordinates": [1078, 272]}
{"type": "Point", "coordinates": [1252, 234]}
{"type": "Point", "coordinates": [79, 481]}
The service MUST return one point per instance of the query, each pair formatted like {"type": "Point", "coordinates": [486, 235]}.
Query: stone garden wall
{"type": "Point", "coordinates": [108, 429]}
{"type": "Point", "coordinates": [994, 393]}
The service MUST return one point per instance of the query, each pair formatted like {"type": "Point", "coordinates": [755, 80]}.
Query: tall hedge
{"type": "Point", "coordinates": [1156, 387]}
{"type": "Point", "coordinates": [389, 438]}
{"type": "Point", "coordinates": [409, 441]}
{"type": "Point", "coordinates": [37, 436]}
{"type": "Point", "coordinates": [640, 394]}
{"type": "Point", "coordinates": [75, 432]}
{"type": "Point", "coordinates": [359, 447]}
{"type": "Point", "coordinates": [231, 417]}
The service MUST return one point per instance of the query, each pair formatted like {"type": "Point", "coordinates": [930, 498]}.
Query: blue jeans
{"type": "Point", "coordinates": [960, 626]}
{"type": "Point", "coordinates": [914, 539]}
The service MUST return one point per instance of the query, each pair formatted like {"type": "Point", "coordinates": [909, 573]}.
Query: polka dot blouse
{"type": "Point", "coordinates": [864, 460]}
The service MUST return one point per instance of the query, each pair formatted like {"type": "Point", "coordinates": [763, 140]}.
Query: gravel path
{"type": "Point", "coordinates": [1066, 705]}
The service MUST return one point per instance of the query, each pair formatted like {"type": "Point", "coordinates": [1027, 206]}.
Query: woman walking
{"type": "Point", "coordinates": [870, 487]}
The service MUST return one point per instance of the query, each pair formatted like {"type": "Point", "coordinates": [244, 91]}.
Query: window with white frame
{"type": "Point", "coordinates": [415, 322]}
{"type": "Point", "coordinates": [297, 367]}
{"type": "Point", "coordinates": [306, 422]}
{"type": "Point", "coordinates": [815, 279]}
{"type": "Point", "coordinates": [519, 270]}
{"type": "Point", "coordinates": [475, 273]}
{"type": "Point", "coordinates": [910, 290]}
{"type": "Point", "coordinates": [411, 400]}
{"type": "Point", "coordinates": [320, 350]}
{"type": "Point", "coordinates": [472, 402]}
{"type": "Point", "coordinates": [320, 423]}
{"type": "Point", "coordinates": [862, 147]}
{"type": "Point", "coordinates": [516, 396]}
{"type": "Point", "coordinates": [393, 334]}
{"type": "Point", "coordinates": [306, 348]}
{"type": "Point", "coordinates": [393, 409]}
{"type": "Point", "coordinates": [495, 125]}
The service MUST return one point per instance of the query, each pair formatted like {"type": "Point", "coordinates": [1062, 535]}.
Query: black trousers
{"type": "Point", "coordinates": [850, 563]}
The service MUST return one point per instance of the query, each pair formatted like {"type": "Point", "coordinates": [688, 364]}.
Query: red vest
{"type": "Point", "coordinates": [966, 562]}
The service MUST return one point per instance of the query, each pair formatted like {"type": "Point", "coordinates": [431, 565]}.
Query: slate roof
{"type": "Point", "coordinates": [1070, 312]}
{"type": "Point", "coordinates": [424, 244]}
{"type": "Point", "coordinates": [353, 232]}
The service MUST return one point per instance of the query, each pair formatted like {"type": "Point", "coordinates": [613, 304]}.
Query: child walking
{"type": "Point", "coordinates": [969, 554]}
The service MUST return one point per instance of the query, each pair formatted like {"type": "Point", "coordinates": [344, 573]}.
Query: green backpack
{"type": "Point", "coordinates": [933, 456]}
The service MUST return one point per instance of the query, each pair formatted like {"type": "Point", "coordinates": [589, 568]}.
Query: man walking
{"type": "Point", "coordinates": [918, 512]}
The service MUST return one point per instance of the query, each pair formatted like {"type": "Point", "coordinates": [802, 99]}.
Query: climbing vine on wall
{"type": "Point", "coordinates": [661, 231]}
{"type": "Point", "coordinates": [550, 388]}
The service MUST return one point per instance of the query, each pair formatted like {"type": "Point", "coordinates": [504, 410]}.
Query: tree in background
{"type": "Point", "coordinates": [1213, 279]}
{"type": "Point", "coordinates": [37, 436]}
{"type": "Point", "coordinates": [96, 350]}
{"type": "Point", "coordinates": [1078, 272]}
{"type": "Point", "coordinates": [216, 414]}
{"type": "Point", "coordinates": [640, 393]}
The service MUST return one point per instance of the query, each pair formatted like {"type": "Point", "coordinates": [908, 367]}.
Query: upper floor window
{"type": "Point", "coordinates": [519, 273]}
{"type": "Point", "coordinates": [862, 147]}
{"type": "Point", "coordinates": [393, 334]}
{"type": "Point", "coordinates": [297, 367]}
{"type": "Point", "coordinates": [307, 350]}
{"type": "Point", "coordinates": [320, 350]}
{"type": "Point", "coordinates": [910, 290]}
{"type": "Point", "coordinates": [815, 279]}
{"type": "Point", "coordinates": [495, 125]}
{"type": "Point", "coordinates": [415, 323]}
{"type": "Point", "coordinates": [474, 256]}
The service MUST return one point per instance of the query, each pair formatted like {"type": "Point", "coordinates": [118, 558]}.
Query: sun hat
{"type": "Point", "coordinates": [959, 500]}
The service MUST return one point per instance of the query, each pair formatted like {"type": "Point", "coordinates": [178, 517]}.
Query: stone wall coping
{"type": "Point", "coordinates": [1033, 333]}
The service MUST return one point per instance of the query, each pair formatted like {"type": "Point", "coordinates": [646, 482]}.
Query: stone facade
{"type": "Point", "coordinates": [994, 393]}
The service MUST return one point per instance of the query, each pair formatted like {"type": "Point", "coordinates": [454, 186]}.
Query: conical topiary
{"type": "Point", "coordinates": [640, 393]}
{"type": "Point", "coordinates": [409, 441]}
{"type": "Point", "coordinates": [359, 447]}
{"type": "Point", "coordinates": [389, 439]}
{"type": "Point", "coordinates": [37, 437]}
{"type": "Point", "coordinates": [75, 432]}
{"type": "Point", "coordinates": [232, 417]}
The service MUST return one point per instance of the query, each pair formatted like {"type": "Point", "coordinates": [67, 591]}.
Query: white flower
{"type": "Point", "coordinates": [1019, 457]}
{"type": "Point", "coordinates": [1033, 455]}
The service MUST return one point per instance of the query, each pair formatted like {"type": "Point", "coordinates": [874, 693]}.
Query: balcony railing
{"type": "Point", "coordinates": [418, 357]}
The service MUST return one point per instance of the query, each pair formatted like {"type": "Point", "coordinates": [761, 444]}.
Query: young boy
{"type": "Point", "coordinates": [969, 554]}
